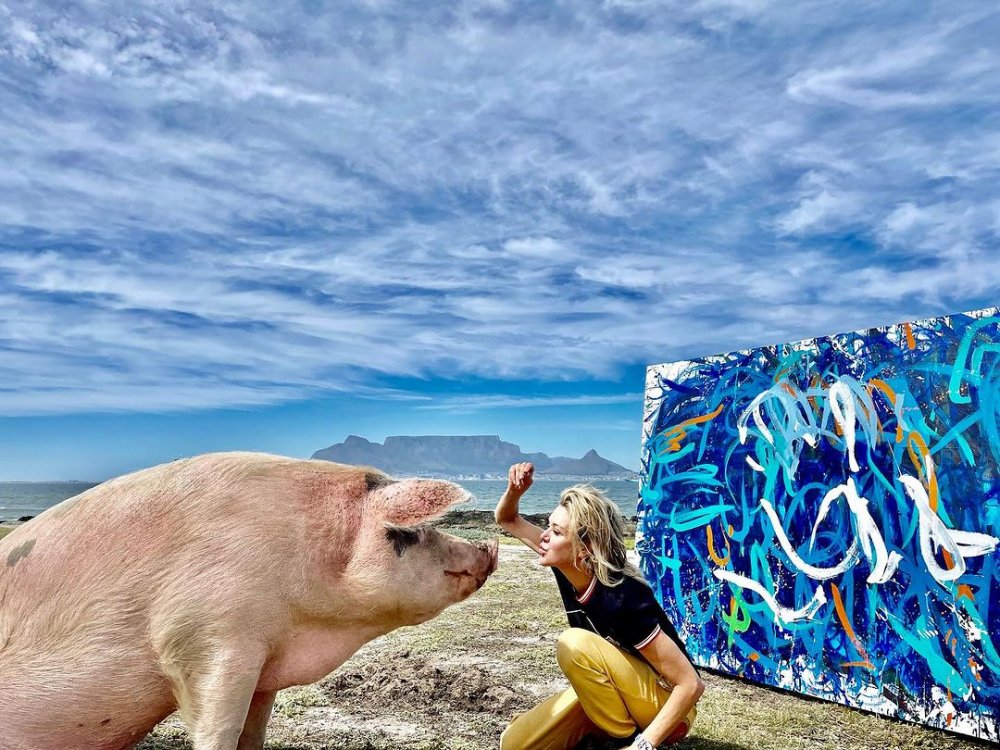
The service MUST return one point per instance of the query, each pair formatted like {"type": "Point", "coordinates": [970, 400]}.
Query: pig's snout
{"type": "Point", "coordinates": [488, 559]}
{"type": "Point", "coordinates": [471, 564]}
{"type": "Point", "coordinates": [484, 562]}
{"type": "Point", "coordinates": [493, 550]}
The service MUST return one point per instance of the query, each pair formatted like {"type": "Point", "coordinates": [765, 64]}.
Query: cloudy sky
{"type": "Point", "coordinates": [225, 225]}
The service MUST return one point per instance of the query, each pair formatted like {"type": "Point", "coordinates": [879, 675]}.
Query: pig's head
{"type": "Point", "coordinates": [421, 570]}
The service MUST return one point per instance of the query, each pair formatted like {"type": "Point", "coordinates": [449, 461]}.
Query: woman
{"type": "Point", "coordinates": [620, 654]}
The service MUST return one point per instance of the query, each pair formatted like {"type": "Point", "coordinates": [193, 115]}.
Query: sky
{"type": "Point", "coordinates": [227, 226]}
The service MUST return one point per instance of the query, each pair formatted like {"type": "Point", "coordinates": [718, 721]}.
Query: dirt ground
{"type": "Point", "coordinates": [455, 682]}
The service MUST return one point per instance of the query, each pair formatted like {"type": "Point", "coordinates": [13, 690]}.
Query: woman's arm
{"type": "Point", "coordinates": [667, 658]}
{"type": "Point", "coordinates": [519, 478]}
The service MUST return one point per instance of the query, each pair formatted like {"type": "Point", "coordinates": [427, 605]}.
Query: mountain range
{"type": "Point", "coordinates": [461, 455]}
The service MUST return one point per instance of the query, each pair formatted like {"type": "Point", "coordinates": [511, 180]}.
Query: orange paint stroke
{"type": "Point", "coordinates": [919, 461]}
{"type": "Point", "coordinates": [965, 590]}
{"type": "Point", "coordinates": [754, 656]}
{"type": "Point", "coordinates": [781, 373]}
{"type": "Point", "coordinates": [812, 399]}
{"type": "Point", "coordinates": [730, 529]}
{"type": "Point", "coordinates": [675, 439]}
{"type": "Point", "coordinates": [949, 562]}
{"type": "Point", "coordinates": [910, 341]}
{"type": "Point", "coordinates": [880, 385]}
{"type": "Point", "coordinates": [885, 388]}
{"type": "Point", "coordinates": [842, 615]}
{"type": "Point", "coordinates": [865, 664]}
{"type": "Point", "coordinates": [720, 561]}
{"type": "Point", "coordinates": [975, 668]}
{"type": "Point", "coordinates": [788, 387]}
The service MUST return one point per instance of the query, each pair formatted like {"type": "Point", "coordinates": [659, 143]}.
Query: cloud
{"type": "Point", "coordinates": [491, 401]}
{"type": "Point", "coordinates": [818, 211]}
{"type": "Point", "coordinates": [224, 206]}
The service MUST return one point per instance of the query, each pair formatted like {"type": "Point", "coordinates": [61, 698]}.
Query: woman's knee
{"type": "Point", "coordinates": [572, 643]}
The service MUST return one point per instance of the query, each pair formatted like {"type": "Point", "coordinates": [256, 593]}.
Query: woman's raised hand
{"type": "Point", "coordinates": [519, 477]}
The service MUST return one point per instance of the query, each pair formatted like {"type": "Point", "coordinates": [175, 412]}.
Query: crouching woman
{"type": "Point", "coordinates": [629, 674]}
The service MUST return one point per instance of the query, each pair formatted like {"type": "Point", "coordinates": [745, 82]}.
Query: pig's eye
{"type": "Point", "coordinates": [401, 537]}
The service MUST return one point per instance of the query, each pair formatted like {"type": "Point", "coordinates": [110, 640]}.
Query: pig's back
{"type": "Point", "coordinates": [116, 532]}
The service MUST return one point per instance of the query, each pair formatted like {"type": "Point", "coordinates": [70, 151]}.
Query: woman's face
{"type": "Point", "coordinates": [556, 544]}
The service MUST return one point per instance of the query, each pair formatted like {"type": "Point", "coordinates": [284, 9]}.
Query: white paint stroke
{"type": "Point", "coordinates": [934, 534]}
{"type": "Point", "coordinates": [814, 572]}
{"type": "Point", "coordinates": [883, 563]}
{"type": "Point", "coordinates": [782, 615]}
{"type": "Point", "coordinates": [842, 406]}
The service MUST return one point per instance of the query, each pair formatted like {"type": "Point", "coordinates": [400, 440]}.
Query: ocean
{"type": "Point", "coordinates": [19, 499]}
{"type": "Point", "coordinates": [544, 494]}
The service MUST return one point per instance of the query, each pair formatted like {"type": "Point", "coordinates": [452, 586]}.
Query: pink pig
{"type": "Point", "coordinates": [206, 585]}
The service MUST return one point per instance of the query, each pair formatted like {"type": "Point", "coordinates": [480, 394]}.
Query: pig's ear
{"type": "Point", "coordinates": [413, 501]}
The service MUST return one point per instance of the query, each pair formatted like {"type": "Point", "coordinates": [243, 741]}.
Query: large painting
{"type": "Point", "coordinates": [823, 516]}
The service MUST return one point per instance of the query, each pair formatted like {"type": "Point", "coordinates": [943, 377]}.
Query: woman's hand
{"type": "Point", "coordinates": [519, 478]}
{"type": "Point", "coordinates": [507, 515]}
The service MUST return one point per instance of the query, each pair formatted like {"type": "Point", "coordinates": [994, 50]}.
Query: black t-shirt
{"type": "Point", "coordinates": [626, 615]}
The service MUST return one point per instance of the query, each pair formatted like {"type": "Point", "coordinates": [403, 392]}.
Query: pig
{"type": "Point", "coordinates": [205, 586]}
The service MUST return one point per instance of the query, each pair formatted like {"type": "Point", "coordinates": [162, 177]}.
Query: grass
{"type": "Point", "coordinates": [504, 638]}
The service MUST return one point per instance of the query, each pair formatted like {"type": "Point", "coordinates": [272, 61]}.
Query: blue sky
{"type": "Point", "coordinates": [225, 226]}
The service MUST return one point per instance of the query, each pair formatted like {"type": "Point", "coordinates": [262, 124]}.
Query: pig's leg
{"type": "Point", "coordinates": [256, 723]}
{"type": "Point", "coordinates": [215, 699]}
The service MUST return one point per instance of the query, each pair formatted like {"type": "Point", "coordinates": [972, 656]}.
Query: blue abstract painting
{"type": "Point", "coordinates": [824, 516]}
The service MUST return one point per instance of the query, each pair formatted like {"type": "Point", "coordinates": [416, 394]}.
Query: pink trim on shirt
{"type": "Point", "coordinates": [590, 590]}
{"type": "Point", "coordinates": [650, 638]}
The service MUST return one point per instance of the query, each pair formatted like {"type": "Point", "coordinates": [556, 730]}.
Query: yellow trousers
{"type": "Point", "coordinates": [613, 694]}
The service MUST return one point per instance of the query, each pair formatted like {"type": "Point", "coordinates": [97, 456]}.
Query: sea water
{"type": "Point", "coordinates": [19, 499]}
{"type": "Point", "coordinates": [544, 493]}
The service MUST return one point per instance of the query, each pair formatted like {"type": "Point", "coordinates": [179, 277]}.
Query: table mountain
{"type": "Point", "coordinates": [460, 455]}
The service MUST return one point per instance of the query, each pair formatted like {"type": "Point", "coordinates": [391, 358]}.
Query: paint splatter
{"type": "Point", "coordinates": [858, 479]}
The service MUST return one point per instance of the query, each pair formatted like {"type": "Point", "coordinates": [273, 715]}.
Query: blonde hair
{"type": "Point", "coordinates": [597, 527]}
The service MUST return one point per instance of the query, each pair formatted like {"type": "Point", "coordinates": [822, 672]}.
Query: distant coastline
{"type": "Point", "coordinates": [89, 482]}
{"type": "Point", "coordinates": [468, 457]}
